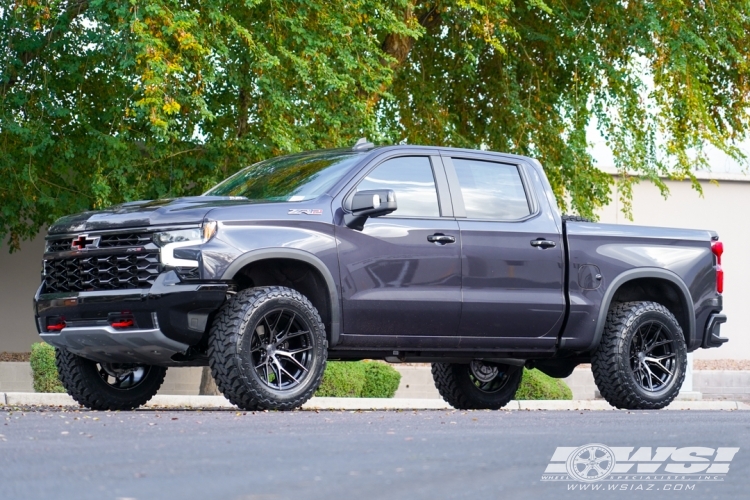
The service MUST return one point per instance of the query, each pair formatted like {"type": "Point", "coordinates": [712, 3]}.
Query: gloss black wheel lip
{"type": "Point", "coordinates": [284, 364]}
{"type": "Point", "coordinates": [653, 359]}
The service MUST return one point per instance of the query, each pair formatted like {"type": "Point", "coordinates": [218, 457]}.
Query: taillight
{"type": "Point", "coordinates": [717, 247]}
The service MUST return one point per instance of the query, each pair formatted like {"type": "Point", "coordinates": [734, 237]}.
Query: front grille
{"type": "Point", "coordinates": [101, 272]}
{"type": "Point", "coordinates": [59, 245]}
{"type": "Point", "coordinates": [120, 240]}
{"type": "Point", "coordinates": [124, 240]}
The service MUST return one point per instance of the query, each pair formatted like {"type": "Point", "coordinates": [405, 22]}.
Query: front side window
{"type": "Point", "coordinates": [491, 190]}
{"type": "Point", "coordinates": [412, 180]}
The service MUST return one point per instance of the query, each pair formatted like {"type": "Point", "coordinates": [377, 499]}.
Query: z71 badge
{"type": "Point", "coordinates": [305, 211]}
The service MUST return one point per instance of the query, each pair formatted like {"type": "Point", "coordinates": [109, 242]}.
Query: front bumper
{"type": "Point", "coordinates": [167, 319]}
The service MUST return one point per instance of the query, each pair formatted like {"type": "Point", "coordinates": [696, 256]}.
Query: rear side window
{"type": "Point", "coordinates": [412, 180]}
{"type": "Point", "coordinates": [491, 190]}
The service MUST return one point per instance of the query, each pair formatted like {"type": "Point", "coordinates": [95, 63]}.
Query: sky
{"type": "Point", "coordinates": [721, 163]}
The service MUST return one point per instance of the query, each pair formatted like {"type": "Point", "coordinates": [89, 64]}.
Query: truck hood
{"type": "Point", "coordinates": [189, 210]}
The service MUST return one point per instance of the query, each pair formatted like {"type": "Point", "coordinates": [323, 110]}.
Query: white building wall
{"type": "Point", "coordinates": [20, 275]}
{"type": "Point", "coordinates": [722, 209]}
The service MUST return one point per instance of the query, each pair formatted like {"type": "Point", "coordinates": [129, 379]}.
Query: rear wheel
{"type": "Point", "coordinates": [108, 386]}
{"type": "Point", "coordinates": [641, 360]}
{"type": "Point", "coordinates": [477, 385]}
{"type": "Point", "coordinates": [268, 349]}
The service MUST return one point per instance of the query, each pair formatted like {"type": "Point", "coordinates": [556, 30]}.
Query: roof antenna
{"type": "Point", "coordinates": [362, 145]}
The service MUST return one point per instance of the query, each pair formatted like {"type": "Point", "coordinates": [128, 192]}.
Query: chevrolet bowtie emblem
{"type": "Point", "coordinates": [83, 242]}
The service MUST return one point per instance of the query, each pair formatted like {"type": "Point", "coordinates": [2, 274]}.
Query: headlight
{"type": "Point", "coordinates": [167, 237]}
{"type": "Point", "coordinates": [169, 240]}
{"type": "Point", "coordinates": [194, 235]}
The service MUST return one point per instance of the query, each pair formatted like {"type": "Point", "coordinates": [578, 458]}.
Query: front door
{"type": "Point", "coordinates": [399, 288]}
{"type": "Point", "coordinates": [512, 257]}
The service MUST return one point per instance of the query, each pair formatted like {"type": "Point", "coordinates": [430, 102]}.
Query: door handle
{"type": "Point", "coordinates": [542, 243]}
{"type": "Point", "coordinates": [441, 239]}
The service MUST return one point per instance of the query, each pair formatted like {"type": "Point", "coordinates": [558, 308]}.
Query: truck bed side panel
{"type": "Point", "coordinates": [603, 257]}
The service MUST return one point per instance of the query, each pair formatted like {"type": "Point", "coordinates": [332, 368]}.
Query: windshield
{"type": "Point", "coordinates": [288, 178]}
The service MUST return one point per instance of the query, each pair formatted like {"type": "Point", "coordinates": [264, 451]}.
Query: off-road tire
{"type": "Point", "coordinates": [610, 361]}
{"type": "Point", "coordinates": [454, 384]}
{"type": "Point", "coordinates": [229, 366]}
{"type": "Point", "coordinates": [80, 377]}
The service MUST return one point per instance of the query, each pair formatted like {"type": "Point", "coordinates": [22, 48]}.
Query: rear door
{"type": "Point", "coordinates": [398, 287]}
{"type": "Point", "coordinates": [512, 255]}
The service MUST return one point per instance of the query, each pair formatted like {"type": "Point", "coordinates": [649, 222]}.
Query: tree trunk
{"type": "Point", "coordinates": [208, 385]}
{"type": "Point", "coordinates": [398, 46]}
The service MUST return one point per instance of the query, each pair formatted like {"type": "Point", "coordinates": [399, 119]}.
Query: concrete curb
{"type": "Point", "coordinates": [34, 398]}
{"type": "Point", "coordinates": [40, 399]}
{"type": "Point", "coordinates": [167, 401]}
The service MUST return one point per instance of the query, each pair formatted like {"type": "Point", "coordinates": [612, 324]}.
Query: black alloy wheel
{"type": "Point", "coordinates": [123, 377]}
{"type": "Point", "coordinates": [267, 349]}
{"type": "Point", "coordinates": [641, 359]}
{"type": "Point", "coordinates": [488, 377]}
{"type": "Point", "coordinates": [281, 349]}
{"type": "Point", "coordinates": [653, 359]}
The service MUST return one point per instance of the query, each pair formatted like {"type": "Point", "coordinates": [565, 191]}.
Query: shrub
{"type": "Point", "coordinates": [359, 379]}
{"type": "Point", "coordinates": [43, 369]}
{"type": "Point", "coordinates": [381, 380]}
{"type": "Point", "coordinates": [342, 380]}
{"type": "Point", "coordinates": [537, 385]}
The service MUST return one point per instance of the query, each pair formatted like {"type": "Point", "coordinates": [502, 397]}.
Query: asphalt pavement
{"type": "Point", "coordinates": [58, 453]}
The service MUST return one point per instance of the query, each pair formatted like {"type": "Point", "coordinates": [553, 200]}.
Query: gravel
{"type": "Point", "coordinates": [14, 356]}
{"type": "Point", "coordinates": [706, 364]}
{"type": "Point", "coordinates": [721, 364]}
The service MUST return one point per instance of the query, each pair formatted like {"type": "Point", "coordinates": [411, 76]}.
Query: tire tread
{"type": "Point", "coordinates": [225, 361]}
{"type": "Point", "coordinates": [448, 383]}
{"type": "Point", "coordinates": [607, 362]}
{"type": "Point", "coordinates": [76, 375]}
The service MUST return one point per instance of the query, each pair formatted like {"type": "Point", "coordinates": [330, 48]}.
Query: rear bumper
{"type": "Point", "coordinates": [712, 334]}
{"type": "Point", "coordinates": [167, 319]}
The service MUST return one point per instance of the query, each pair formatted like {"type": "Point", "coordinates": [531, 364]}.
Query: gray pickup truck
{"type": "Point", "coordinates": [453, 257]}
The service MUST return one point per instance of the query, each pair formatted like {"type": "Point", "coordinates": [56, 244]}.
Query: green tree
{"type": "Point", "coordinates": [103, 101]}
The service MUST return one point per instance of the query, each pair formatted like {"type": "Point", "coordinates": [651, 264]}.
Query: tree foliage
{"type": "Point", "coordinates": [103, 101]}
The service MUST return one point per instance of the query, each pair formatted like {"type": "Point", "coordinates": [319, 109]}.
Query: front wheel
{"type": "Point", "coordinates": [107, 386]}
{"type": "Point", "coordinates": [267, 349]}
{"type": "Point", "coordinates": [477, 385]}
{"type": "Point", "coordinates": [641, 360]}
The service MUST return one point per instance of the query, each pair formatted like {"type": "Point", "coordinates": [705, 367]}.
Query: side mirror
{"type": "Point", "coordinates": [370, 203]}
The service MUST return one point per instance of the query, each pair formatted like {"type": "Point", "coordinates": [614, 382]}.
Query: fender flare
{"type": "Point", "coordinates": [302, 256]}
{"type": "Point", "coordinates": [644, 272]}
